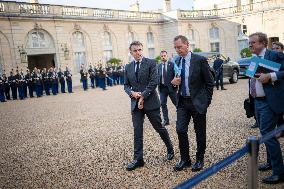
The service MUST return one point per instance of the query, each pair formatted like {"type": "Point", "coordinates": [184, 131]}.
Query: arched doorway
{"type": "Point", "coordinates": [40, 50]}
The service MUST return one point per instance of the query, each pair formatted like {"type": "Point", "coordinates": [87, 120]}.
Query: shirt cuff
{"type": "Point", "coordinates": [273, 76]}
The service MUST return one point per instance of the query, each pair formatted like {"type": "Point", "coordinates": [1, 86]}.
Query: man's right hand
{"type": "Point", "coordinates": [176, 81]}
{"type": "Point", "coordinates": [135, 95]}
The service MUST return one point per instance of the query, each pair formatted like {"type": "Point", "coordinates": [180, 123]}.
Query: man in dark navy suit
{"type": "Point", "coordinates": [268, 94]}
{"type": "Point", "coordinates": [166, 74]}
{"type": "Point", "coordinates": [140, 84]}
{"type": "Point", "coordinates": [218, 67]}
{"type": "Point", "coordinates": [195, 92]}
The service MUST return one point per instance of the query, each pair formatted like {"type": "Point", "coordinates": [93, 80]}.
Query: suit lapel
{"type": "Point", "coordinates": [132, 68]}
{"type": "Point", "coordinates": [191, 67]}
{"type": "Point", "coordinates": [142, 68]}
{"type": "Point", "coordinates": [267, 54]}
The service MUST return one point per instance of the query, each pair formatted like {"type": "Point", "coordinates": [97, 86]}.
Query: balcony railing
{"type": "Point", "coordinates": [45, 10]}
{"type": "Point", "coordinates": [244, 9]}
{"type": "Point", "coordinates": [24, 9]}
{"type": "Point", "coordinates": [2, 7]}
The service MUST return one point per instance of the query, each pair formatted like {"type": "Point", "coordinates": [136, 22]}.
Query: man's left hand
{"type": "Point", "coordinates": [264, 78]}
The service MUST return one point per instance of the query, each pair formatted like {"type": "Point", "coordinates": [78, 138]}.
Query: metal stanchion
{"type": "Point", "coordinates": [253, 143]}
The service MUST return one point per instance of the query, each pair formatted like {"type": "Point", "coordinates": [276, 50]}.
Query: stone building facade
{"type": "Point", "coordinates": [43, 35]}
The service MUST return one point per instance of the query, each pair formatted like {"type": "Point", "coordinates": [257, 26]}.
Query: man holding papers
{"type": "Point", "coordinates": [268, 93]}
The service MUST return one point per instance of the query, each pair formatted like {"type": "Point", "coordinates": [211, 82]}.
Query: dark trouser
{"type": "Point", "coordinates": [14, 92]}
{"type": "Point", "coordinates": [2, 96]}
{"type": "Point", "coordinates": [47, 87]}
{"type": "Point", "coordinates": [164, 93]}
{"type": "Point", "coordinates": [21, 91]}
{"type": "Point", "coordinates": [97, 81]}
{"type": "Point", "coordinates": [38, 90]}
{"type": "Point", "coordinates": [85, 84]}
{"type": "Point", "coordinates": [7, 93]}
{"type": "Point", "coordinates": [25, 90]}
{"type": "Point", "coordinates": [102, 83]}
{"type": "Point", "coordinates": [31, 90]}
{"type": "Point", "coordinates": [92, 82]}
{"type": "Point", "coordinates": [62, 85]}
{"type": "Point", "coordinates": [219, 78]}
{"type": "Point", "coordinates": [56, 87]}
{"type": "Point", "coordinates": [109, 81]}
{"type": "Point", "coordinates": [186, 110]}
{"type": "Point", "coordinates": [69, 86]}
{"type": "Point", "coordinates": [121, 80]}
{"type": "Point", "coordinates": [53, 89]}
{"type": "Point", "coordinates": [267, 120]}
{"type": "Point", "coordinates": [155, 119]}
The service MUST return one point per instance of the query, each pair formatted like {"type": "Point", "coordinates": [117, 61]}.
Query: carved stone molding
{"type": "Point", "coordinates": [150, 29]}
{"type": "Point", "coordinates": [189, 26]}
{"type": "Point", "coordinates": [77, 27]}
{"type": "Point", "coordinates": [37, 26]}
{"type": "Point", "coordinates": [214, 24]}
{"type": "Point", "coordinates": [105, 27]}
{"type": "Point", "coordinates": [129, 28]}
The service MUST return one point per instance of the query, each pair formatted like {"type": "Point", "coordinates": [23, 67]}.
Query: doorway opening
{"type": "Point", "coordinates": [41, 61]}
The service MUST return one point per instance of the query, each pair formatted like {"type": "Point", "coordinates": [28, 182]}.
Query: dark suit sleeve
{"type": "Point", "coordinates": [280, 75]}
{"type": "Point", "coordinates": [153, 80]}
{"type": "Point", "coordinates": [127, 86]}
{"type": "Point", "coordinates": [208, 78]}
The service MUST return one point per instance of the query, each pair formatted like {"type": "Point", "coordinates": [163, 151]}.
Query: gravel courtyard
{"type": "Point", "coordinates": [85, 139]}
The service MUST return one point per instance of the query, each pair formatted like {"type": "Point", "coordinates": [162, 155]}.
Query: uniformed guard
{"type": "Point", "coordinates": [56, 81]}
{"type": "Point", "coordinates": [25, 85]}
{"type": "Point", "coordinates": [37, 82]}
{"type": "Point", "coordinates": [61, 80]}
{"type": "Point", "coordinates": [84, 77]}
{"type": "Point", "coordinates": [30, 83]}
{"type": "Point", "coordinates": [6, 85]}
{"type": "Point", "coordinates": [102, 78]}
{"type": "Point", "coordinates": [13, 84]}
{"type": "Point", "coordinates": [92, 76]}
{"type": "Point", "coordinates": [2, 90]}
{"type": "Point", "coordinates": [121, 74]}
{"type": "Point", "coordinates": [97, 70]}
{"type": "Point", "coordinates": [68, 76]}
{"type": "Point", "coordinates": [46, 81]}
{"type": "Point", "coordinates": [20, 84]}
{"type": "Point", "coordinates": [109, 76]}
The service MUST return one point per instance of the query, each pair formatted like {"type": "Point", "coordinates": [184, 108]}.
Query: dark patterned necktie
{"type": "Point", "coordinates": [137, 70]}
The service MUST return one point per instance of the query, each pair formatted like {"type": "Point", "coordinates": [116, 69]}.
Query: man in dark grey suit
{"type": "Point", "coordinates": [194, 96]}
{"type": "Point", "coordinates": [140, 84]}
{"type": "Point", "coordinates": [166, 74]}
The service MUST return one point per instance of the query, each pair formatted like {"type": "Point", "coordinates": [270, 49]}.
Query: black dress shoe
{"type": "Point", "coordinates": [135, 164]}
{"type": "Point", "coordinates": [273, 179]}
{"type": "Point", "coordinates": [265, 167]}
{"type": "Point", "coordinates": [182, 165]}
{"type": "Point", "coordinates": [170, 155]}
{"type": "Point", "coordinates": [223, 89]}
{"type": "Point", "coordinates": [197, 166]}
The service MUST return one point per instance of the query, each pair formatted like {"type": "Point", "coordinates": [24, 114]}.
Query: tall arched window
{"type": "Point", "coordinates": [107, 46]}
{"type": "Point", "coordinates": [130, 37]}
{"type": "Point", "coordinates": [130, 40]}
{"type": "Point", "coordinates": [191, 37]}
{"type": "Point", "coordinates": [150, 43]}
{"type": "Point", "coordinates": [79, 50]}
{"type": "Point", "coordinates": [214, 39]}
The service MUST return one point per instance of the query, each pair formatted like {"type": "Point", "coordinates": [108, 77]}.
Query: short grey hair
{"type": "Point", "coordinates": [135, 43]}
{"type": "Point", "coordinates": [182, 38]}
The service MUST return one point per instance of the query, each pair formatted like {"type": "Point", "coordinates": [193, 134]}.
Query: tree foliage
{"type": "Point", "coordinates": [245, 53]}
